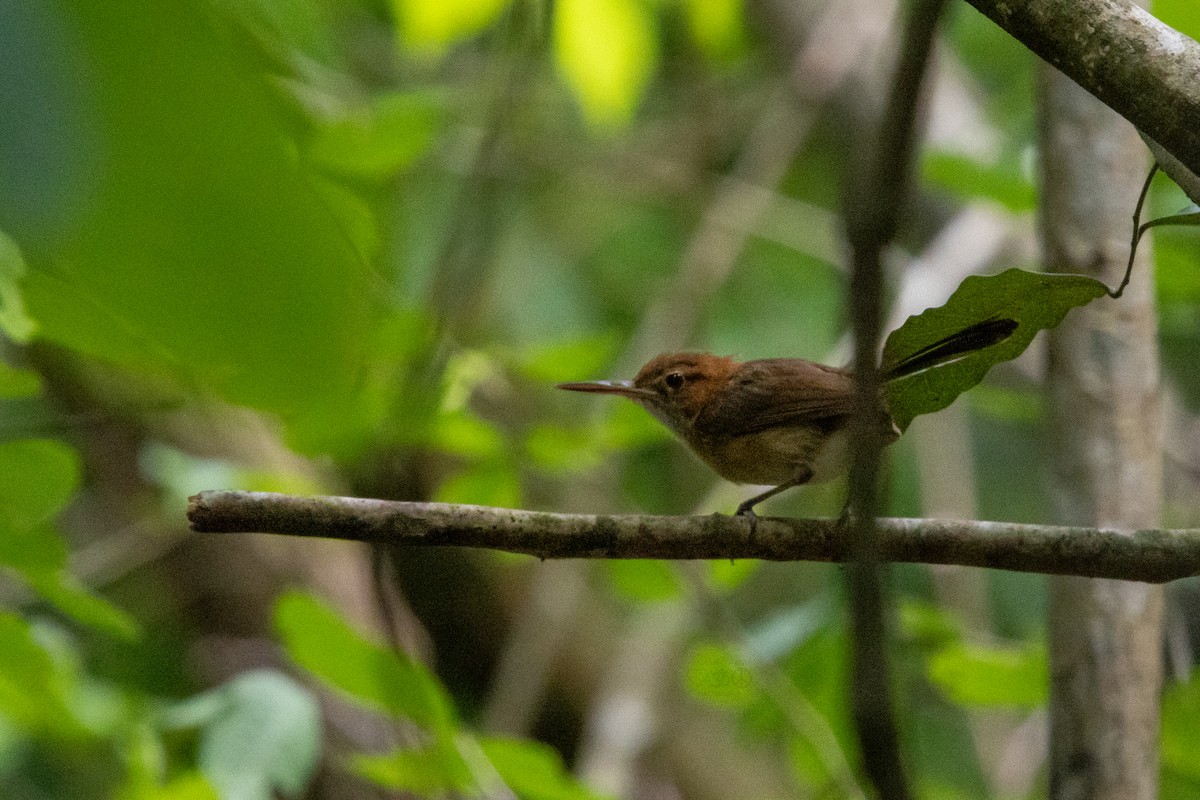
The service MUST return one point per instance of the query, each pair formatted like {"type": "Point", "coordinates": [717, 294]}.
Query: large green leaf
{"type": "Point", "coordinates": [173, 226]}
{"type": "Point", "coordinates": [320, 641]}
{"type": "Point", "coordinates": [1035, 301]}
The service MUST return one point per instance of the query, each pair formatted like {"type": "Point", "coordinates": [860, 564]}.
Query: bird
{"type": "Point", "coordinates": [780, 422]}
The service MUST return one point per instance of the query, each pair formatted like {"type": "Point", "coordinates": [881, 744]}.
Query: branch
{"type": "Point", "coordinates": [1144, 70]}
{"type": "Point", "coordinates": [1153, 556]}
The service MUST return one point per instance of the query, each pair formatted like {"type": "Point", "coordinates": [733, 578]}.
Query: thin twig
{"type": "Point", "coordinates": [877, 194]}
{"type": "Point", "coordinates": [1152, 556]}
{"type": "Point", "coordinates": [1138, 230]}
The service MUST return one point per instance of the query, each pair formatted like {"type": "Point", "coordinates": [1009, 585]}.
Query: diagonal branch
{"type": "Point", "coordinates": [1152, 556]}
{"type": "Point", "coordinates": [1144, 70]}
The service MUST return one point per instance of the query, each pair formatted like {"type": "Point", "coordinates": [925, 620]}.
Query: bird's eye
{"type": "Point", "coordinates": [674, 380]}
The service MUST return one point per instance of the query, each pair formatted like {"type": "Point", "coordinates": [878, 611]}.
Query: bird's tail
{"type": "Point", "coordinates": [953, 347]}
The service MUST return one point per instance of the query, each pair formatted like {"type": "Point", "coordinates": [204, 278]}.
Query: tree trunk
{"type": "Point", "coordinates": [1104, 415]}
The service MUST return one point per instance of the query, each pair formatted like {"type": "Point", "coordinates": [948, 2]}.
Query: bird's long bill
{"type": "Point", "coordinates": [623, 388]}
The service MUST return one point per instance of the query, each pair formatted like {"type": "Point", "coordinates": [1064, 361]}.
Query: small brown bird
{"type": "Point", "coordinates": [774, 421]}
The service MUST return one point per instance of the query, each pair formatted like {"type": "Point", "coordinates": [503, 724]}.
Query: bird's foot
{"type": "Point", "coordinates": [746, 511]}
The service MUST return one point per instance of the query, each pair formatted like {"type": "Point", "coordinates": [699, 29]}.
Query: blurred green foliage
{"type": "Point", "coordinates": [450, 762]}
{"type": "Point", "coordinates": [260, 733]}
{"type": "Point", "coordinates": [382, 230]}
{"type": "Point", "coordinates": [318, 640]}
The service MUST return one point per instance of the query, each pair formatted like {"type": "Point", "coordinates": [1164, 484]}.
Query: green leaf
{"type": "Point", "coordinates": [716, 676]}
{"type": "Point", "coordinates": [463, 434]}
{"type": "Point", "coordinates": [778, 302]}
{"type": "Point", "coordinates": [1189, 216]}
{"type": "Point", "coordinates": [33, 690]}
{"type": "Point", "coordinates": [573, 360]}
{"type": "Point", "coordinates": [975, 675]}
{"type": "Point", "coordinates": [14, 320]}
{"type": "Point", "coordinates": [33, 550]}
{"type": "Point", "coordinates": [37, 478]}
{"type": "Point", "coordinates": [1180, 15]}
{"type": "Point", "coordinates": [189, 786]}
{"type": "Point", "coordinates": [376, 142]}
{"type": "Point", "coordinates": [1181, 727]}
{"type": "Point", "coordinates": [929, 623]}
{"type": "Point", "coordinates": [644, 580]}
{"type": "Point", "coordinates": [560, 450]}
{"type": "Point", "coordinates": [81, 604]}
{"type": "Point", "coordinates": [1036, 301]}
{"type": "Point", "coordinates": [819, 668]}
{"type": "Point", "coordinates": [716, 25]}
{"type": "Point", "coordinates": [434, 770]}
{"type": "Point", "coordinates": [725, 576]}
{"type": "Point", "coordinates": [606, 50]}
{"type": "Point", "coordinates": [352, 213]}
{"type": "Point", "coordinates": [967, 178]}
{"type": "Point", "coordinates": [319, 640]}
{"type": "Point", "coordinates": [490, 483]}
{"type": "Point", "coordinates": [16, 382]}
{"type": "Point", "coordinates": [534, 771]}
{"type": "Point", "coordinates": [531, 770]}
{"type": "Point", "coordinates": [433, 25]}
{"type": "Point", "coordinates": [261, 734]}
{"type": "Point", "coordinates": [191, 242]}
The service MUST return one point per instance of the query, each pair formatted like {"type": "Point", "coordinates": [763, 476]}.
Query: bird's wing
{"type": "Point", "coordinates": [777, 391]}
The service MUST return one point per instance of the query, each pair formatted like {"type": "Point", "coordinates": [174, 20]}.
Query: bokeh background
{"type": "Point", "coordinates": [348, 247]}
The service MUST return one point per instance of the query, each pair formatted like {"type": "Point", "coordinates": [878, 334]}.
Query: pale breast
{"type": "Point", "coordinates": [777, 455]}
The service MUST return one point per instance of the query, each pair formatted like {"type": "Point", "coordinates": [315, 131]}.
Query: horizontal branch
{"type": "Point", "coordinates": [1152, 556]}
{"type": "Point", "coordinates": [1144, 70]}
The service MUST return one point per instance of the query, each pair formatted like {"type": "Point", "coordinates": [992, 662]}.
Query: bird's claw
{"type": "Point", "coordinates": [746, 511]}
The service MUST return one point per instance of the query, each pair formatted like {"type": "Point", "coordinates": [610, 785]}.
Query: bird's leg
{"type": "Point", "coordinates": [846, 517]}
{"type": "Point", "coordinates": [746, 509]}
